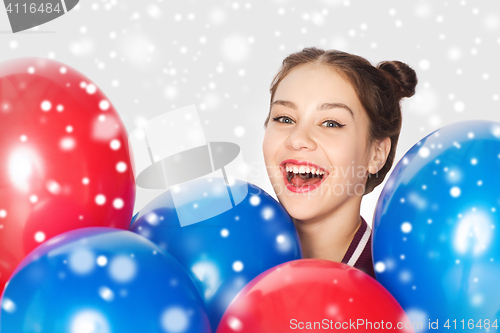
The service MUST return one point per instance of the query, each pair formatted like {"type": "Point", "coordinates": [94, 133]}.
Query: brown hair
{"type": "Point", "coordinates": [379, 89]}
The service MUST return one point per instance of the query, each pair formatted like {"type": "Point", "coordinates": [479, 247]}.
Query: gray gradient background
{"type": "Point", "coordinates": [152, 56]}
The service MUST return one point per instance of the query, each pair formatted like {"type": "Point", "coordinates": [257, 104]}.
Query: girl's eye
{"type": "Point", "coordinates": [283, 119]}
{"type": "Point", "coordinates": [332, 123]}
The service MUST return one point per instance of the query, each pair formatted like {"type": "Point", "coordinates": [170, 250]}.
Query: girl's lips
{"type": "Point", "coordinates": [302, 189]}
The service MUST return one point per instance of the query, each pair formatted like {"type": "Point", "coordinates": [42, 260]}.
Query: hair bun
{"type": "Point", "coordinates": [402, 77]}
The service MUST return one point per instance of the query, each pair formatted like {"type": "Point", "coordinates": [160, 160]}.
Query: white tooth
{"type": "Point", "coordinates": [287, 169]}
{"type": "Point", "coordinates": [313, 170]}
{"type": "Point", "coordinates": [308, 170]}
{"type": "Point", "coordinates": [322, 173]}
{"type": "Point", "coordinates": [317, 172]}
{"type": "Point", "coordinates": [295, 169]}
{"type": "Point", "coordinates": [302, 169]}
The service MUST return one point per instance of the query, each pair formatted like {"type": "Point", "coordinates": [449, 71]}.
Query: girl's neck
{"type": "Point", "coordinates": [329, 237]}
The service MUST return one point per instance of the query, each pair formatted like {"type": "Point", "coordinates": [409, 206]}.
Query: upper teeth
{"type": "Point", "coordinates": [304, 169]}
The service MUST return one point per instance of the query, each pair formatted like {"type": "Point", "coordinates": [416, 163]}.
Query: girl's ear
{"type": "Point", "coordinates": [380, 152]}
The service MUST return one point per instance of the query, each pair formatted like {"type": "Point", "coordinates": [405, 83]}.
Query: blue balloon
{"type": "Point", "coordinates": [101, 280]}
{"type": "Point", "coordinates": [436, 241]}
{"type": "Point", "coordinates": [225, 252]}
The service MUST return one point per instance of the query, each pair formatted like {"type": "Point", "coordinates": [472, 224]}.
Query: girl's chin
{"type": "Point", "coordinates": [302, 216]}
{"type": "Point", "coordinates": [299, 210]}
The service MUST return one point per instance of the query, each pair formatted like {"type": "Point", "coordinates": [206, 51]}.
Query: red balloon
{"type": "Point", "coordinates": [64, 158]}
{"type": "Point", "coordinates": [315, 296]}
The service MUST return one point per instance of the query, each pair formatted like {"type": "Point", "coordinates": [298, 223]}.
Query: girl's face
{"type": "Point", "coordinates": [316, 142]}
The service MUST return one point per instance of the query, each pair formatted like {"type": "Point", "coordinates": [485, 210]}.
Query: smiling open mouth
{"type": "Point", "coordinates": [302, 177]}
{"type": "Point", "coordinates": [296, 178]}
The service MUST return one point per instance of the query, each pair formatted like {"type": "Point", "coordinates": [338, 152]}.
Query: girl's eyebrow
{"type": "Point", "coordinates": [325, 106]}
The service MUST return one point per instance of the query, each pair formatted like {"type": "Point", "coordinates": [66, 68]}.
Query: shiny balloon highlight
{"type": "Point", "coordinates": [64, 158]}
{"type": "Point", "coordinates": [225, 252]}
{"type": "Point", "coordinates": [437, 228]}
{"type": "Point", "coordinates": [101, 280]}
{"type": "Point", "coordinates": [314, 295]}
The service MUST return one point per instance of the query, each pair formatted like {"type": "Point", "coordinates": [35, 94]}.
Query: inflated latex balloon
{"type": "Point", "coordinates": [102, 280]}
{"type": "Point", "coordinates": [64, 158]}
{"type": "Point", "coordinates": [314, 295]}
{"type": "Point", "coordinates": [224, 252]}
{"type": "Point", "coordinates": [436, 241]}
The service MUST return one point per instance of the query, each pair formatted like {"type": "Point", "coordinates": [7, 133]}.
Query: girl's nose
{"type": "Point", "coordinates": [300, 139]}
